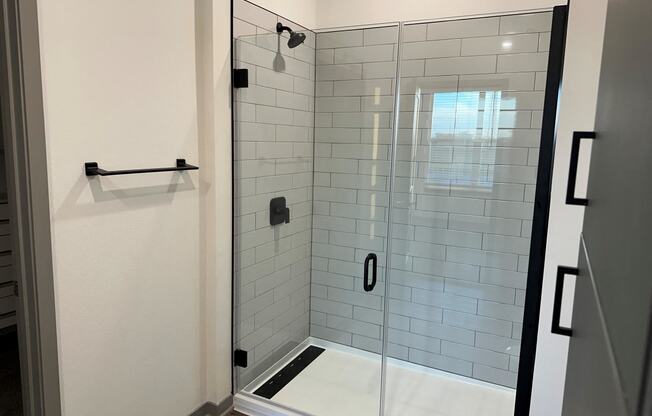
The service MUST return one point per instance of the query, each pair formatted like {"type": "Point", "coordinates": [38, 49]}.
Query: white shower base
{"type": "Point", "coordinates": [346, 381]}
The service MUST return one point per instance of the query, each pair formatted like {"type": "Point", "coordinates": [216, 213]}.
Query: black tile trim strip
{"type": "Point", "coordinates": [289, 372]}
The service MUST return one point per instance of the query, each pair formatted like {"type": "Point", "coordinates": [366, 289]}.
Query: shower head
{"type": "Point", "coordinates": [296, 38]}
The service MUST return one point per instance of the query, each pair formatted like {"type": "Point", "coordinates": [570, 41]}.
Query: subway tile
{"type": "Point", "coordinates": [448, 237]}
{"type": "Point", "coordinates": [324, 88]}
{"type": "Point", "coordinates": [506, 244]}
{"type": "Point", "coordinates": [367, 344]}
{"type": "Point", "coordinates": [357, 211]}
{"type": "Point", "coordinates": [500, 44]}
{"type": "Point", "coordinates": [513, 364]}
{"type": "Point", "coordinates": [523, 62]}
{"type": "Point", "coordinates": [376, 104]}
{"type": "Point", "coordinates": [485, 224]}
{"type": "Point", "coordinates": [426, 85]}
{"type": "Point", "coordinates": [476, 355]}
{"type": "Point", "coordinates": [518, 137]}
{"type": "Point", "coordinates": [477, 323]}
{"type": "Point", "coordinates": [441, 362]}
{"type": "Point", "coordinates": [332, 280]}
{"type": "Point", "coordinates": [512, 173]}
{"type": "Point", "coordinates": [361, 120]}
{"type": "Point", "coordinates": [490, 155]}
{"type": "Point", "coordinates": [362, 87]}
{"type": "Point", "coordinates": [368, 182]}
{"type": "Point", "coordinates": [339, 72]}
{"type": "Point", "coordinates": [499, 344]}
{"type": "Point", "coordinates": [336, 165]}
{"type": "Point", "coordinates": [324, 57]}
{"type": "Point", "coordinates": [506, 209]}
{"type": "Point", "coordinates": [292, 100]}
{"type": "Point", "coordinates": [417, 248]}
{"type": "Point", "coordinates": [431, 49]}
{"type": "Point", "coordinates": [377, 53]}
{"type": "Point", "coordinates": [335, 194]}
{"type": "Point", "coordinates": [340, 39]}
{"type": "Point", "coordinates": [332, 251]}
{"type": "Point", "coordinates": [411, 340]}
{"type": "Point", "coordinates": [522, 100]}
{"type": "Point", "coordinates": [371, 70]}
{"type": "Point", "coordinates": [337, 104]}
{"type": "Point", "coordinates": [257, 94]}
{"type": "Point", "coordinates": [353, 326]}
{"type": "Point", "coordinates": [372, 316]}
{"type": "Point", "coordinates": [540, 81]}
{"type": "Point", "coordinates": [500, 311]}
{"type": "Point", "coordinates": [356, 241]}
{"type": "Point", "coordinates": [482, 258]}
{"type": "Point", "coordinates": [354, 298]}
{"type": "Point", "coordinates": [497, 82]}
{"type": "Point", "coordinates": [444, 300]}
{"type": "Point", "coordinates": [480, 291]}
{"type": "Point", "coordinates": [441, 331]}
{"type": "Point", "coordinates": [273, 115]}
{"type": "Point", "coordinates": [360, 151]}
{"type": "Point", "coordinates": [329, 334]}
{"type": "Point", "coordinates": [337, 135]}
{"type": "Point", "coordinates": [292, 134]}
{"type": "Point", "coordinates": [505, 278]}
{"type": "Point", "coordinates": [323, 120]}
{"type": "Point", "coordinates": [380, 35]}
{"type": "Point", "coordinates": [414, 33]}
{"type": "Point", "coordinates": [451, 204]}
{"type": "Point", "coordinates": [461, 65]}
{"type": "Point", "coordinates": [464, 28]}
{"type": "Point", "coordinates": [446, 269]}
{"type": "Point", "coordinates": [526, 23]}
{"type": "Point", "coordinates": [494, 375]}
{"type": "Point", "coordinates": [278, 80]}
{"type": "Point", "coordinates": [416, 280]}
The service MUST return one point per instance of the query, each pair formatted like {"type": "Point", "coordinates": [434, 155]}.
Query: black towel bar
{"type": "Point", "coordinates": [92, 169]}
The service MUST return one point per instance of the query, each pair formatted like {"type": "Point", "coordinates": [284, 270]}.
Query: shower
{"type": "Point", "coordinates": [296, 38]}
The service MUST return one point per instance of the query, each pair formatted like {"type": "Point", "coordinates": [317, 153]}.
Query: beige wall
{"type": "Point", "coordinates": [336, 13]}
{"type": "Point", "coordinates": [137, 297]}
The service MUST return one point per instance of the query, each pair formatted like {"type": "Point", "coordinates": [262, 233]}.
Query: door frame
{"type": "Point", "coordinates": [27, 183]}
{"type": "Point", "coordinates": [541, 216]}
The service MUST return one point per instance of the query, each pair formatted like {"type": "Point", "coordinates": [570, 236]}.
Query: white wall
{"type": "Point", "coordinates": [120, 88]}
{"type": "Point", "coordinates": [577, 108]}
{"type": "Point", "coordinates": [303, 12]}
{"type": "Point", "coordinates": [337, 13]}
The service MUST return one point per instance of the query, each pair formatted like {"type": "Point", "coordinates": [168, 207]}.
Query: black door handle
{"type": "Point", "coordinates": [562, 271]}
{"type": "Point", "coordinates": [572, 171]}
{"type": "Point", "coordinates": [369, 287]}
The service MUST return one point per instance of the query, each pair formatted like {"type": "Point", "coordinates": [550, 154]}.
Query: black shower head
{"type": "Point", "coordinates": [296, 38]}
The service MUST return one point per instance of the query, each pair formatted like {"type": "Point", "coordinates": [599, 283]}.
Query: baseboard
{"type": "Point", "coordinates": [212, 409]}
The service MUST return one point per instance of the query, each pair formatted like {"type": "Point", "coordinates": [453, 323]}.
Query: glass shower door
{"type": "Point", "coordinates": [356, 72]}
{"type": "Point", "coordinates": [471, 101]}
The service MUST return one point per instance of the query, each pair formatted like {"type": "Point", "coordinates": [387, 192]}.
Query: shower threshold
{"type": "Point", "coordinates": [346, 381]}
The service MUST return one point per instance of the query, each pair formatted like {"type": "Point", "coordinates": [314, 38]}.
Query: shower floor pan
{"type": "Point", "coordinates": [345, 381]}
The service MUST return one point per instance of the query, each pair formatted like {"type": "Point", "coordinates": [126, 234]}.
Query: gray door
{"type": "Point", "coordinates": [608, 359]}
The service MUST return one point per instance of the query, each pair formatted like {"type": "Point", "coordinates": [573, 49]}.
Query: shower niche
{"type": "Point", "coordinates": [408, 155]}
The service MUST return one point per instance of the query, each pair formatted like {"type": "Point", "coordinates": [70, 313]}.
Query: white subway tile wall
{"type": "Point", "coordinates": [273, 157]}
{"type": "Point", "coordinates": [356, 71]}
{"type": "Point", "coordinates": [468, 139]}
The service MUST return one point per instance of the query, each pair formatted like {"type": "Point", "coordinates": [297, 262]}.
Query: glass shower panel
{"type": "Point", "coordinates": [273, 158]}
{"type": "Point", "coordinates": [356, 71]}
{"type": "Point", "coordinates": [471, 104]}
